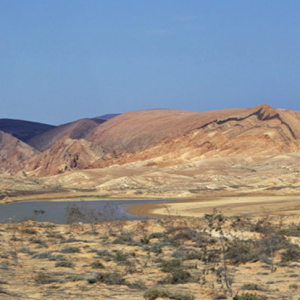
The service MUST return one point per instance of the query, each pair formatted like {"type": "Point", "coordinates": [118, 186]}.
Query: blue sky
{"type": "Point", "coordinates": [63, 60]}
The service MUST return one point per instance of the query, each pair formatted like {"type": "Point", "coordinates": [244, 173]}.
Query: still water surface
{"type": "Point", "coordinates": [58, 212]}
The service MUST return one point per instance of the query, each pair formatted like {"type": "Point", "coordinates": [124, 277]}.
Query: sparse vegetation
{"type": "Point", "coordinates": [70, 250]}
{"type": "Point", "coordinates": [251, 287]}
{"type": "Point", "coordinates": [44, 278]}
{"type": "Point", "coordinates": [65, 264]}
{"type": "Point", "coordinates": [242, 251]}
{"type": "Point", "coordinates": [97, 265]}
{"type": "Point", "coordinates": [182, 255]}
{"type": "Point", "coordinates": [249, 296]}
{"type": "Point", "coordinates": [155, 293]}
{"type": "Point", "coordinates": [110, 278]}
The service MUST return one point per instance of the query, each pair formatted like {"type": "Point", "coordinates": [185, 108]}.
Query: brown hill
{"type": "Point", "coordinates": [261, 130]}
{"type": "Point", "coordinates": [127, 133]}
{"type": "Point", "coordinates": [75, 130]}
{"type": "Point", "coordinates": [23, 130]}
{"type": "Point", "coordinates": [105, 117]}
{"type": "Point", "coordinates": [136, 131]}
{"type": "Point", "coordinates": [65, 155]}
{"type": "Point", "coordinates": [175, 136]}
{"type": "Point", "coordinates": [167, 137]}
{"type": "Point", "coordinates": [13, 153]}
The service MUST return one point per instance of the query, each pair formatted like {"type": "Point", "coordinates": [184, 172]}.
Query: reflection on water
{"type": "Point", "coordinates": [69, 211]}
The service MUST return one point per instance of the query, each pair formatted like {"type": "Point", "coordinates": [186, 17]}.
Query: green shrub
{"type": "Point", "coordinates": [261, 226]}
{"type": "Point", "coordinates": [177, 273]}
{"type": "Point", "coordinates": [242, 251]}
{"type": "Point", "coordinates": [112, 278]}
{"type": "Point", "coordinates": [249, 296]}
{"type": "Point", "coordinates": [58, 257]}
{"type": "Point", "coordinates": [155, 293]}
{"type": "Point", "coordinates": [155, 248]}
{"type": "Point", "coordinates": [272, 243]}
{"type": "Point", "coordinates": [294, 286]}
{"type": "Point", "coordinates": [138, 285]}
{"type": "Point", "coordinates": [292, 230]}
{"type": "Point", "coordinates": [211, 255]}
{"type": "Point", "coordinates": [74, 277]}
{"type": "Point", "coordinates": [65, 264]}
{"type": "Point", "coordinates": [42, 255]}
{"type": "Point", "coordinates": [29, 231]}
{"type": "Point", "coordinates": [194, 255]}
{"type": "Point", "coordinates": [292, 253]}
{"type": "Point", "coordinates": [55, 236]}
{"type": "Point", "coordinates": [121, 257]}
{"type": "Point", "coordinates": [157, 235]}
{"type": "Point", "coordinates": [186, 235]}
{"type": "Point", "coordinates": [170, 265]}
{"type": "Point", "coordinates": [123, 239]}
{"type": "Point", "coordinates": [43, 278]}
{"type": "Point", "coordinates": [48, 255]}
{"type": "Point", "coordinates": [97, 265]}
{"type": "Point", "coordinates": [26, 250]}
{"type": "Point", "coordinates": [71, 240]}
{"type": "Point", "coordinates": [102, 253]}
{"type": "Point", "coordinates": [177, 276]}
{"type": "Point", "coordinates": [70, 250]}
{"type": "Point", "coordinates": [35, 240]}
{"type": "Point", "coordinates": [251, 286]}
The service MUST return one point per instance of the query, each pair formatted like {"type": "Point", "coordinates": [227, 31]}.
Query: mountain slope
{"type": "Point", "coordinates": [165, 137]}
{"type": "Point", "coordinates": [23, 130]}
{"type": "Point", "coordinates": [105, 117]}
{"type": "Point", "coordinates": [65, 155]}
{"type": "Point", "coordinates": [13, 153]}
{"type": "Point", "coordinates": [261, 130]}
{"type": "Point", "coordinates": [139, 130]}
{"type": "Point", "coordinates": [75, 130]}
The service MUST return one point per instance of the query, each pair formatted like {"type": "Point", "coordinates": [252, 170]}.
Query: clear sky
{"type": "Point", "coordinates": [62, 60]}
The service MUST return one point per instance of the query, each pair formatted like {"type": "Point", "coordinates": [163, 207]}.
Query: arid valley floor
{"type": "Point", "coordinates": [248, 251]}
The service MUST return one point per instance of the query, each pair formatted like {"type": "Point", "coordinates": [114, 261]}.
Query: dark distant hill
{"type": "Point", "coordinates": [74, 130]}
{"type": "Point", "coordinates": [23, 130]}
{"type": "Point", "coordinates": [106, 117]}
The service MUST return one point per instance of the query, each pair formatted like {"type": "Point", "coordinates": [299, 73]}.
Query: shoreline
{"type": "Point", "coordinates": [229, 206]}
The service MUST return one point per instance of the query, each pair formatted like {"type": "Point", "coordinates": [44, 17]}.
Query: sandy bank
{"type": "Point", "coordinates": [230, 206]}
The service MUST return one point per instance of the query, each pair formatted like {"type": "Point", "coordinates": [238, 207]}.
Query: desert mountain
{"type": "Point", "coordinates": [260, 131]}
{"type": "Point", "coordinates": [105, 117]}
{"type": "Point", "coordinates": [64, 148]}
{"type": "Point", "coordinates": [166, 153]}
{"type": "Point", "coordinates": [23, 130]}
{"type": "Point", "coordinates": [136, 131]}
{"type": "Point", "coordinates": [126, 134]}
{"type": "Point", "coordinates": [13, 152]}
{"type": "Point", "coordinates": [65, 155]}
{"type": "Point", "coordinates": [173, 137]}
{"type": "Point", "coordinates": [74, 130]}
{"type": "Point", "coordinates": [164, 137]}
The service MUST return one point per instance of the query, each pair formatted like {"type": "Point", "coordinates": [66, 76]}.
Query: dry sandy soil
{"type": "Point", "coordinates": [229, 206]}
{"type": "Point", "coordinates": [123, 260]}
{"type": "Point", "coordinates": [47, 261]}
